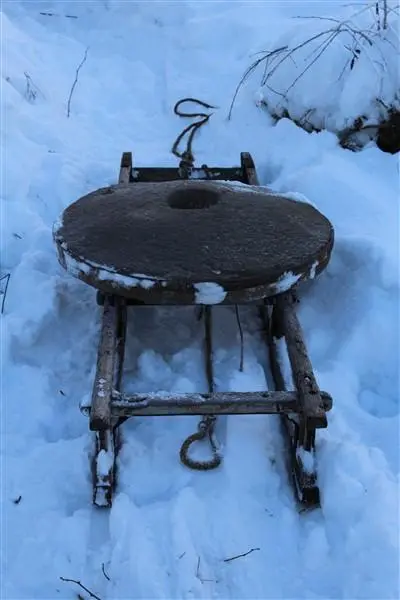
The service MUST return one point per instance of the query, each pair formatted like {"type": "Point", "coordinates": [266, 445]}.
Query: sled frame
{"type": "Point", "coordinates": [301, 406]}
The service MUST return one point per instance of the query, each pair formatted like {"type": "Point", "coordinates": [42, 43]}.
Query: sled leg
{"type": "Point", "coordinates": [103, 467]}
{"type": "Point", "coordinates": [286, 346]}
{"type": "Point", "coordinates": [110, 360]}
{"type": "Point", "coordinates": [107, 379]}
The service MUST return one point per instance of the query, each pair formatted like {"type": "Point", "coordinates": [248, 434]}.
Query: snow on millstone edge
{"type": "Point", "coordinates": [208, 292]}
{"type": "Point", "coordinates": [77, 266]}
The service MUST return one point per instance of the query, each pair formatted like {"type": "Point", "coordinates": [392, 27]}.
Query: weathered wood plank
{"type": "Point", "coordinates": [103, 468]}
{"type": "Point", "coordinates": [218, 403]}
{"type": "Point", "coordinates": [126, 168]}
{"type": "Point", "coordinates": [249, 169]}
{"type": "Point", "coordinates": [121, 341]}
{"type": "Point", "coordinates": [299, 439]}
{"type": "Point", "coordinates": [100, 413]}
{"type": "Point", "coordinates": [303, 376]}
{"type": "Point", "coordinates": [151, 174]}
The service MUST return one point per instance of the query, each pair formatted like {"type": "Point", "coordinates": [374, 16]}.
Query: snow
{"type": "Point", "coordinates": [241, 187]}
{"type": "Point", "coordinates": [354, 47]}
{"type": "Point", "coordinates": [286, 282]}
{"type": "Point", "coordinates": [76, 267]}
{"type": "Point", "coordinates": [307, 459]}
{"type": "Point", "coordinates": [170, 528]}
{"type": "Point", "coordinates": [208, 292]}
{"type": "Point", "coordinates": [104, 463]}
{"type": "Point", "coordinates": [284, 363]}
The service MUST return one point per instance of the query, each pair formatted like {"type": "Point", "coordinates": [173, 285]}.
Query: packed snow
{"type": "Point", "coordinates": [171, 530]}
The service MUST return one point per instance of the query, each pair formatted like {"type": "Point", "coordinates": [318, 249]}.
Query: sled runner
{"type": "Point", "coordinates": [202, 237]}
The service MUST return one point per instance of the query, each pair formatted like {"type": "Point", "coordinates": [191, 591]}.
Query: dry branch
{"type": "Point", "coordinates": [276, 58]}
{"type": "Point", "coordinates": [82, 586]}
{"type": "Point", "coordinates": [241, 555]}
{"type": "Point", "coordinates": [104, 572]}
{"type": "Point", "coordinates": [241, 366]}
{"type": "Point", "coordinates": [76, 81]}
{"type": "Point", "coordinates": [47, 14]}
{"type": "Point", "coordinates": [4, 293]}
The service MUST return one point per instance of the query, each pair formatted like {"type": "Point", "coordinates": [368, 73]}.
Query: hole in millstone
{"type": "Point", "coordinates": [194, 198]}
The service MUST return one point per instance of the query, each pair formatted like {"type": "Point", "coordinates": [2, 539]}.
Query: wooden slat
{"type": "Point", "coordinates": [249, 169]}
{"type": "Point", "coordinates": [100, 413]}
{"type": "Point", "coordinates": [121, 342]}
{"type": "Point", "coordinates": [147, 174]}
{"type": "Point", "coordinates": [297, 436]}
{"type": "Point", "coordinates": [303, 375]}
{"type": "Point", "coordinates": [218, 403]}
{"type": "Point", "coordinates": [126, 168]}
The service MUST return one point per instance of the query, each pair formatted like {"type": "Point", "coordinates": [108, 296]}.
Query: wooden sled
{"type": "Point", "coordinates": [214, 237]}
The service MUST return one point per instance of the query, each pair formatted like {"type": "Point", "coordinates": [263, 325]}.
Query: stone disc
{"type": "Point", "coordinates": [189, 241]}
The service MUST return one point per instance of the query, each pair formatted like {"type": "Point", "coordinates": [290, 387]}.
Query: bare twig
{"type": "Point", "coordinates": [17, 500]}
{"type": "Point", "coordinates": [385, 14]}
{"type": "Point", "coordinates": [76, 81]}
{"type": "Point", "coordinates": [4, 292]}
{"type": "Point", "coordinates": [345, 67]}
{"type": "Point", "coordinates": [241, 366]}
{"type": "Point", "coordinates": [280, 55]}
{"type": "Point", "coordinates": [248, 71]}
{"type": "Point", "coordinates": [82, 586]}
{"type": "Point", "coordinates": [325, 46]}
{"type": "Point", "coordinates": [246, 74]}
{"type": "Point", "coordinates": [274, 91]}
{"type": "Point", "coordinates": [45, 14]}
{"type": "Point", "coordinates": [31, 88]}
{"type": "Point", "coordinates": [378, 16]}
{"type": "Point", "coordinates": [240, 555]}
{"type": "Point", "coordinates": [104, 571]}
{"type": "Point", "coordinates": [298, 47]}
{"type": "Point", "coordinates": [394, 9]}
{"type": "Point", "coordinates": [198, 569]}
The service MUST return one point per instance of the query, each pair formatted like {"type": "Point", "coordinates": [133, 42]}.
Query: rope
{"type": "Point", "coordinates": [207, 424]}
{"type": "Point", "coordinates": [205, 427]}
{"type": "Point", "coordinates": [187, 158]}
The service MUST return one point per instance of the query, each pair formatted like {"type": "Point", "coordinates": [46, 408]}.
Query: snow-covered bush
{"type": "Point", "coordinates": [337, 73]}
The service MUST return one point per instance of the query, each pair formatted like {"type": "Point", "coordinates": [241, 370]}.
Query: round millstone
{"type": "Point", "coordinates": [192, 241]}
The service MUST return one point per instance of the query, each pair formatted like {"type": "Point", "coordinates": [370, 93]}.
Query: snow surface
{"type": "Point", "coordinates": [208, 292]}
{"type": "Point", "coordinates": [354, 47]}
{"type": "Point", "coordinates": [170, 528]}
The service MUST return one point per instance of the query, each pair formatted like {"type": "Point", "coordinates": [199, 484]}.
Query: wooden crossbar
{"type": "Point", "coordinates": [217, 403]}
